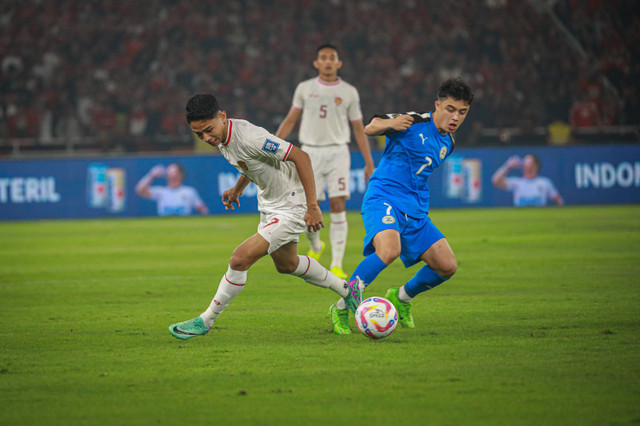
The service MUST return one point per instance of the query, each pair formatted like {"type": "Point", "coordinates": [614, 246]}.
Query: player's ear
{"type": "Point", "coordinates": [222, 115]}
{"type": "Point", "coordinates": [339, 64]}
{"type": "Point", "coordinates": [315, 64]}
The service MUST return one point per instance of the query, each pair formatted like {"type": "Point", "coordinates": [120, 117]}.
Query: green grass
{"type": "Point", "coordinates": [540, 325]}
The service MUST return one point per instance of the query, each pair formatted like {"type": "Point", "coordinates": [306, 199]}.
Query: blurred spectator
{"type": "Point", "coordinates": [530, 190]}
{"type": "Point", "coordinates": [175, 198]}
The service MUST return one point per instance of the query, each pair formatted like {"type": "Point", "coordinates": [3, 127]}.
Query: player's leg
{"type": "Point", "coordinates": [338, 161]}
{"type": "Point", "coordinates": [440, 266]}
{"type": "Point", "coordinates": [381, 247]}
{"type": "Point", "coordinates": [287, 261]}
{"type": "Point", "coordinates": [338, 230]}
{"type": "Point", "coordinates": [231, 284]}
{"type": "Point", "coordinates": [283, 236]}
{"type": "Point", "coordinates": [316, 245]}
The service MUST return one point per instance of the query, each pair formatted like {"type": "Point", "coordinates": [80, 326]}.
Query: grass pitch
{"type": "Point", "coordinates": [540, 325]}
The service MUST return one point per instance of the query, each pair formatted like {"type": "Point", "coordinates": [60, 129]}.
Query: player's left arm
{"type": "Point", "coordinates": [313, 217]}
{"type": "Point", "coordinates": [232, 195]}
{"type": "Point", "coordinates": [363, 145]}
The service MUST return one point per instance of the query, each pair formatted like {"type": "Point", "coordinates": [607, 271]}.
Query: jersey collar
{"type": "Point", "coordinates": [228, 133]}
{"type": "Point", "coordinates": [324, 83]}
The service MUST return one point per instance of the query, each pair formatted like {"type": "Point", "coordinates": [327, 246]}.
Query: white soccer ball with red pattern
{"type": "Point", "coordinates": [376, 317]}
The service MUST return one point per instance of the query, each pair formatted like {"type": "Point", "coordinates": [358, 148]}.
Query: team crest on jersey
{"type": "Point", "coordinates": [270, 146]}
{"type": "Point", "coordinates": [338, 101]}
{"type": "Point", "coordinates": [388, 220]}
{"type": "Point", "coordinates": [443, 152]}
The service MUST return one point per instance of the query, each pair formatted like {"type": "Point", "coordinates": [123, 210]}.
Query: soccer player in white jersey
{"type": "Point", "coordinates": [530, 189]}
{"type": "Point", "coordinates": [175, 199]}
{"type": "Point", "coordinates": [286, 201]}
{"type": "Point", "coordinates": [325, 105]}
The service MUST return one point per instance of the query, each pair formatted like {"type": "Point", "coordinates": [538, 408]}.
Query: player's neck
{"type": "Point", "coordinates": [434, 121]}
{"type": "Point", "coordinates": [331, 78]}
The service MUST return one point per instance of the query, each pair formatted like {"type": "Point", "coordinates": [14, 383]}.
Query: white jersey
{"type": "Point", "coordinates": [531, 192]}
{"type": "Point", "coordinates": [261, 157]}
{"type": "Point", "coordinates": [175, 201]}
{"type": "Point", "coordinates": [327, 109]}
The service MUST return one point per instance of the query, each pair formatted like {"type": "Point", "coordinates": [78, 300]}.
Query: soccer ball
{"type": "Point", "coordinates": [376, 317]}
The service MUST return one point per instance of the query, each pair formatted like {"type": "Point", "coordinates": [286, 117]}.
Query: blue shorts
{"type": "Point", "coordinates": [416, 235]}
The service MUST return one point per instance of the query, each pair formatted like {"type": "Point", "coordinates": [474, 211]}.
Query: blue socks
{"type": "Point", "coordinates": [368, 269]}
{"type": "Point", "coordinates": [424, 280]}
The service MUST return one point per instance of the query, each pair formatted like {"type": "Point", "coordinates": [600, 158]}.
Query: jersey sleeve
{"type": "Point", "coordinates": [417, 118]}
{"type": "Point", "coordinates": [298, 97]}
{"type": "Point", "coordinates": [265, 144]}
{"type": "Point", "coordinates": [512, 183]}
{"type": "Point", "coordinates": [156, 192]}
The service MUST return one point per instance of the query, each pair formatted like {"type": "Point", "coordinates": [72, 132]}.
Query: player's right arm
{"type": "Point", "coordinates": [499, 178]}
{"type": "Point", "coordinates": [289, 122]}
{"type": "Point", "coordinates": [142, 188]}
{"type": "Point", "coordinates": [313, 217]}
{"type": "Point", "coordinates": [378, 125]}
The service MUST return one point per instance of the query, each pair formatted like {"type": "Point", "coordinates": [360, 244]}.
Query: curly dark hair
{"type": "Point", "coordinates": [457, 89]}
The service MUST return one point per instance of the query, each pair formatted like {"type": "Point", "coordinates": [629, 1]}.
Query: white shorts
{"type": "Point", "coordinates": [331, 168]}
{"type": "Point", "coordinates": [280, 229]}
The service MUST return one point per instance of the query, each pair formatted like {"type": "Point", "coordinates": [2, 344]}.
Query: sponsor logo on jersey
{"type": "Point", "coordinates": [338, 100]}
{"type": "Point", "coordinates": [443, 152]}
{"type": "Point", "coordinates": [270, 146]}
{"type": "Point", "coordinates": [388, 220]}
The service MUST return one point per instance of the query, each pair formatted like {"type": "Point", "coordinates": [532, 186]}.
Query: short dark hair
{"type": "Point", "coordinates": [202, 107]}
{"type": "Point", "coordinates": [457, 89]}
{"type": "Point", "coordinates": [326, 46]}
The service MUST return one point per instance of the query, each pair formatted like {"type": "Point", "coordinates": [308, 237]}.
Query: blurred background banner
{"type": "Point", "coordinates": [105, 187]}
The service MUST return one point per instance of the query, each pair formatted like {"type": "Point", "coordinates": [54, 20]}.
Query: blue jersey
{"type": "Point", "coordinates": [409, 158]}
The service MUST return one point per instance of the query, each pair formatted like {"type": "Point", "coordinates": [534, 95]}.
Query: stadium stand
{"type": "Point", "coordinates": [113, 76]}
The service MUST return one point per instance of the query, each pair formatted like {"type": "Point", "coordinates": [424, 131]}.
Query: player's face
{"type": "Point", "coordinates": [450, 113]}
{"type": "Point", "coordinates": [327, 63]}
{"type": "Point", "coordinates": [529, 166]}
{"type": "Point", "coordinates": [174, 176]}
{"type": "Point", "coordinates": [214, 131]}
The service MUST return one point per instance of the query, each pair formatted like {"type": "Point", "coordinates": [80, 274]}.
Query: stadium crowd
{"type": "Point", "coordinates": [120, 72]}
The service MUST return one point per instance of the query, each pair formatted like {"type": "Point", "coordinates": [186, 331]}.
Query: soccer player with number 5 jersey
{"type": "Point", "coordinates": [325, 105]}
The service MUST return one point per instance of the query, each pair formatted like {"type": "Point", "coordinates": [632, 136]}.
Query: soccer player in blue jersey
{"type": "Point", "coordinates": [395, 209]}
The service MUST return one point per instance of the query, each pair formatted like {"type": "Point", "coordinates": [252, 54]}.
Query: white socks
{"type": "Point", "coordinates": [314, 240]}
{"type": "Point", "coordinates": [338, 237]}
{"type": "Point", "coordinates": [314, 273]}
{"type": "Point", "coordinates": [403, 296]}
{"type": "Point", "coordinates": [230, 286]}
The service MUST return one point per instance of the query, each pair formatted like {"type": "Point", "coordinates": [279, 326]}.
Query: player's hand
{"type": "Point", "coordinates": [313, 218]}
{"type": "Point", "coordinates": [401, 122]}
{"type": "Point", "coordinates": [514, 162]}
{"type": "Point", "coordinates": [158, 171]}
{"type": "Point", "coordinates": [368, 171]}
{"type": "Point", "coordinates": [229, 197]}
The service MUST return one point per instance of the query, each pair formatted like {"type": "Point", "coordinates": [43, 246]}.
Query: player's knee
{"type": "Point", "coordinates": [388, 254]}
{"type": "Point", "coordinates": [448, 268]}
{"type": "Point", "coordinates": [238, 262]}
{"type": "Point", "coordinates": [285, 267]}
